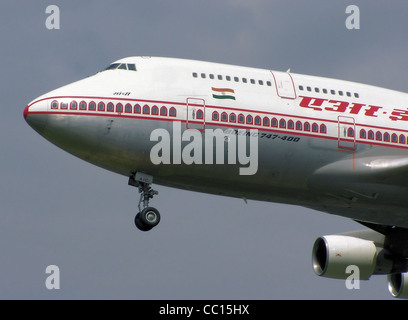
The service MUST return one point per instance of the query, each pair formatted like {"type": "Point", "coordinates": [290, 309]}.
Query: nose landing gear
{"type": "Point", "coordinates": [148, 217]}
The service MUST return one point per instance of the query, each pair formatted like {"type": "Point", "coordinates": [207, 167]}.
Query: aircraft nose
{"type": "Point", "coordinates": [35, 114]}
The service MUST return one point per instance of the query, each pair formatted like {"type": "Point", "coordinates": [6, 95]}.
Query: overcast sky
{"type": "Point", "coordinates": [56, 209]}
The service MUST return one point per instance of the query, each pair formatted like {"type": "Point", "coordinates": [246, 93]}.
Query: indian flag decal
{"type": "Point", "coordinates": [223, 93]}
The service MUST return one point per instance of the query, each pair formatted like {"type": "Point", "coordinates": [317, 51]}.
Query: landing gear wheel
{"type": "Point", "coordinates": [147, 219]}
{"type": "Point", "coordinates": [139, 223]}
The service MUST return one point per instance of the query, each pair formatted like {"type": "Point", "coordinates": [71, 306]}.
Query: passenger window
{"type": "Point", "coordinates": [137, 108]}
{"type": "Point", "coordinates": [146, 109]}
{"type": "Point", "coordinates": [110, 107]}
{"type": "Point", "coordinates": [291, 125]}
{"type": "Point", "coordinates": [266, 122]}
{"type": "Point", "coordinates": [82, 105]}
{"type": "Point", "coordinates": [200, 114]}
{"type": "Point", "coordinates": [73, 105]}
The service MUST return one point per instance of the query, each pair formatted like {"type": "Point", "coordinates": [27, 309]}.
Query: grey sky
{"type": "Point", "coordinates": [57, 209]}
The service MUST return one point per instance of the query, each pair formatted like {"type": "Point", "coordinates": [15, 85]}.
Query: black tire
{"type": "Point", "coordinates": [140, 225]}
{"type": "Point", "coordinates": [149, 217]}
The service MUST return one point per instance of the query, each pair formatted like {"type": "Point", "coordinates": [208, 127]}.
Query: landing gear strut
{"type": "Point", "coordinates": [148, 217]}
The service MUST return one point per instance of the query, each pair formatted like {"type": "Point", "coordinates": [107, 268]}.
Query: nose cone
{"type": "Point", "coordinates": [35, 114]}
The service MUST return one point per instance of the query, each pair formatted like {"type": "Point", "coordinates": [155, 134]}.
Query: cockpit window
{"type": "Point", "coordinates": [131, 66]}
{"type": "Point", "coordinates": [121, 66]}
{"type": "Point", "coordinates": [112, 66]}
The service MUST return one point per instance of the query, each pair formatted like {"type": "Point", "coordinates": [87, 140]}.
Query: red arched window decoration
{"type": "Point", "coordinates": [110, 107]}
{"type": "Point", "coordinates": [173, 112]}
{"type": "Point", "coordinates": [266, 121]}
{"type": "Point", "coordinates": [282, 123]}
{"type": "Point", "coordinates": [146, 109]}
{"type": "Point", "coordinates": [155, 111]}
{"type": "Point", "coordinates": [258, 120]}
{"type": "Point", "coordinates": [163, 111]}
{"type": "Point", "coordinates": [82, 105]}
{"type": "Point", "coordinates": [291, 125]}
{"type": "Point", "coordinates": [241, 118]}
{"type": "Point", "coordinates": [200, 114]}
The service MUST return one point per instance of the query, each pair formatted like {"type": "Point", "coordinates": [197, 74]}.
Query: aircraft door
{"type": "Point", "coordinates": [195, 114]}
{"type": "Point", "coordinates": [346, 132]}
{"type": "Point", "coordinates": [285, 87]}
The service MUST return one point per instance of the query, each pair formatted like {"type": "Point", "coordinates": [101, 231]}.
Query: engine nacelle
{"type": "Point", "coordinates": [398, 285]}
{"type": "Point", "coordinates": [333, 254]}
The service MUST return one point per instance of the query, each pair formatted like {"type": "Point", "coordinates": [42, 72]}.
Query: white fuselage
{"type": "Point", "coordinates": [336, 146]}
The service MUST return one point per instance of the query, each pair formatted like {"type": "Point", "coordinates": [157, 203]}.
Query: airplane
{"type": "Point", "coordinates": [335, 146]}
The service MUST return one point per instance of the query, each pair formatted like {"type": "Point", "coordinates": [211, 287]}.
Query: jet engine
{"type": "Point", "coordinates": [398, 285]}
{"type": "Point", "coordinates": [333, 255]}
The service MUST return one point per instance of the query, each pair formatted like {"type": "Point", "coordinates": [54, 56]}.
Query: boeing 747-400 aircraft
{"type": "Point", "coordinates": [330, 145]}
